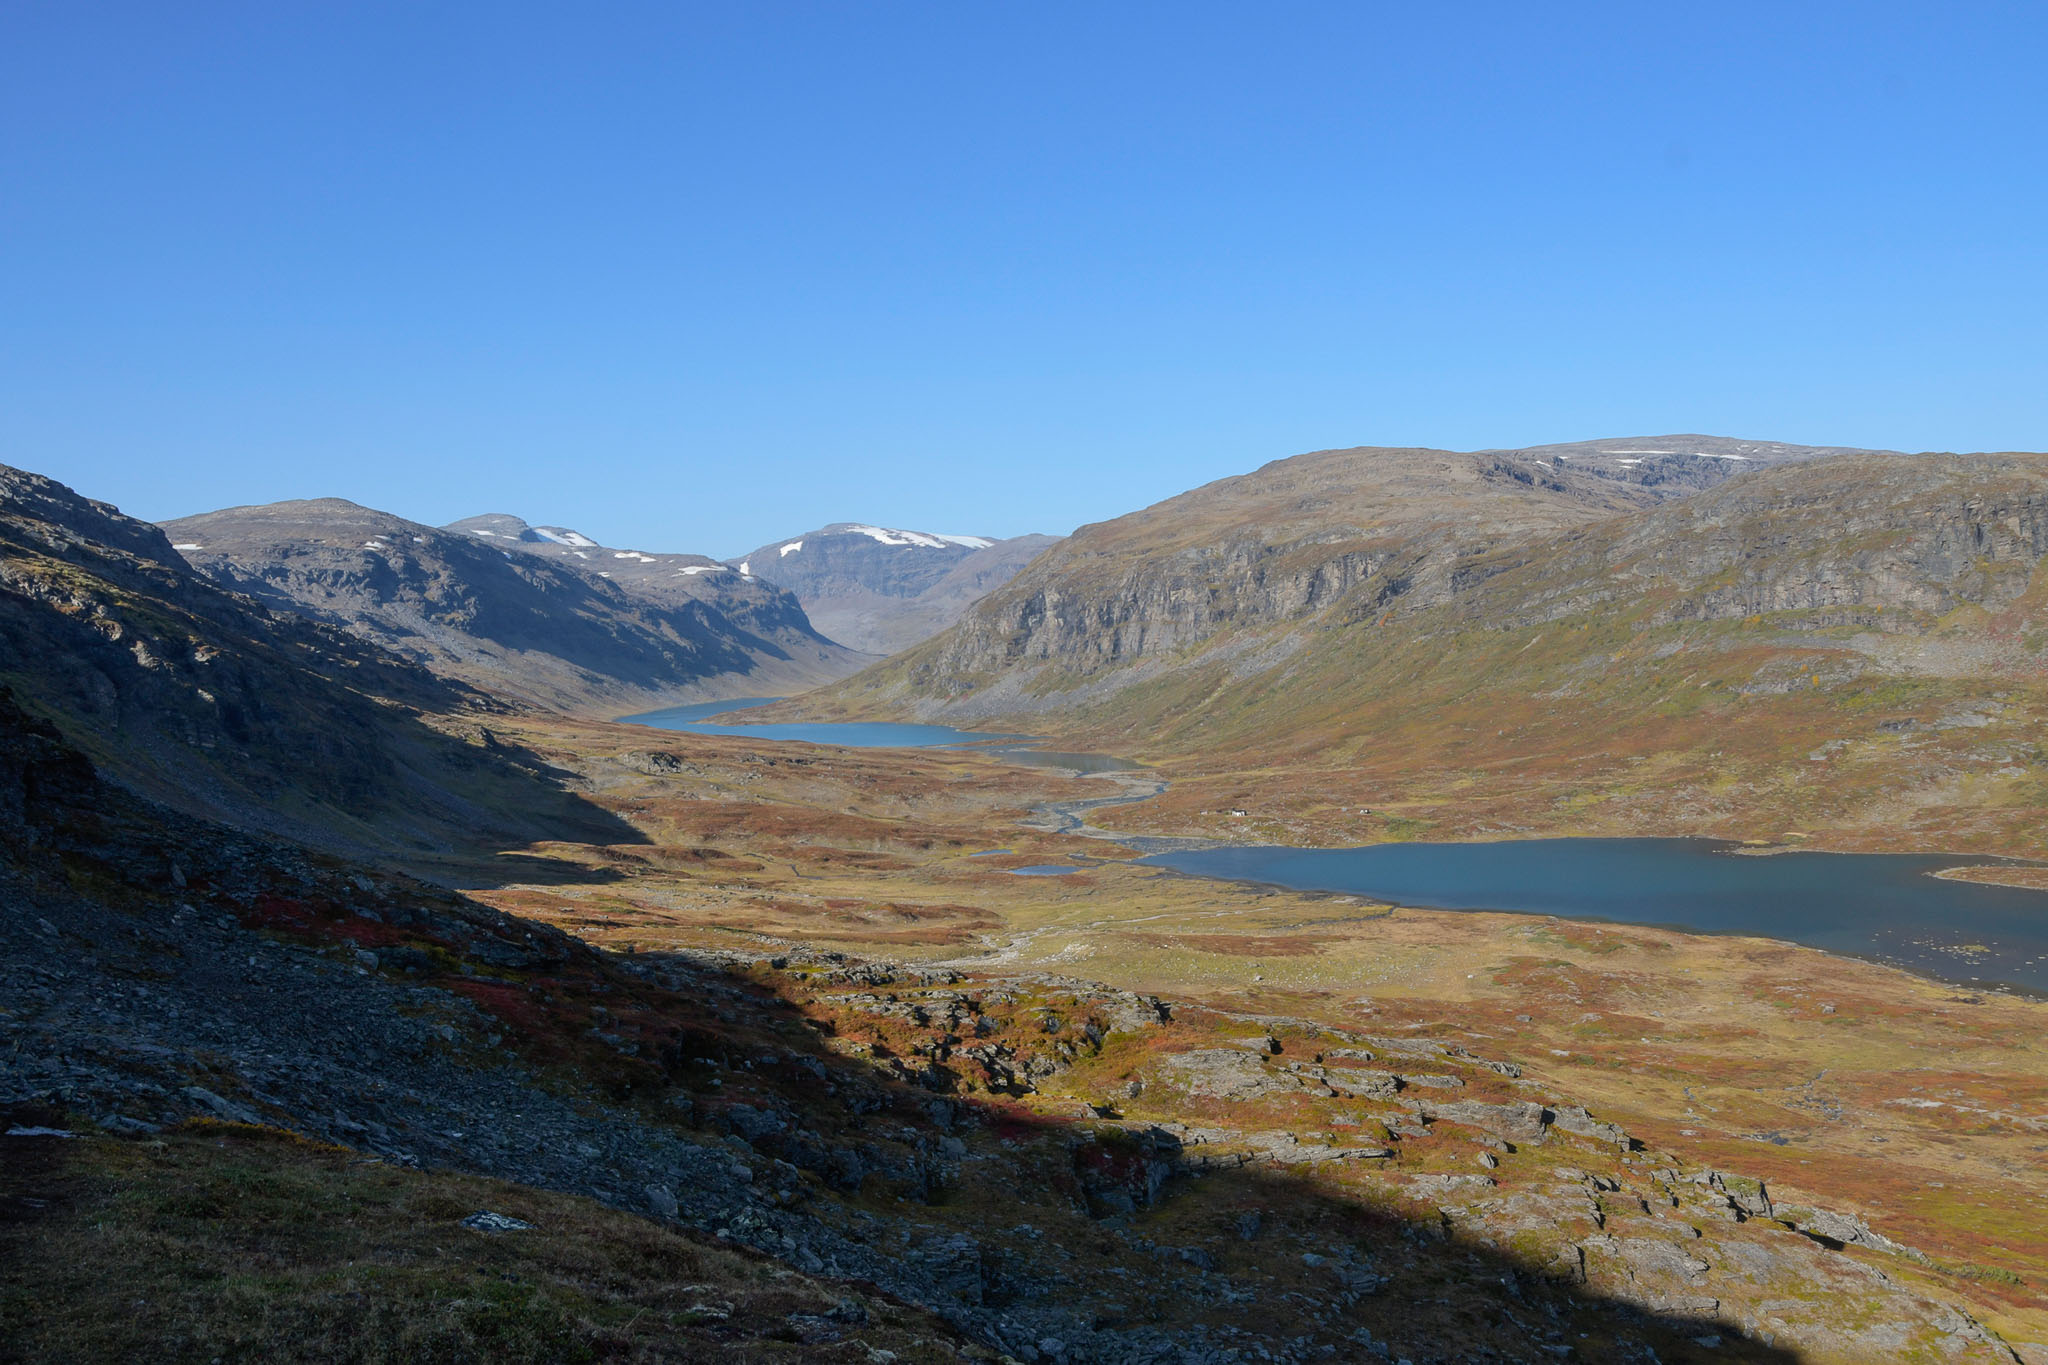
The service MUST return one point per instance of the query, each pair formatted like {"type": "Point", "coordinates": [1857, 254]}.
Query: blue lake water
{"type": "Point", "coordinates": [873, 735]}
{"type": "Point", "coordinates": [1884, 906]}
{"type": "Point", "coordinates": [1877, 905]}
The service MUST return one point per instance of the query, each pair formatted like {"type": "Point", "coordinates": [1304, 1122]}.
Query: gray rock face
{"type": "Point", "coordinates": [880, 590]}
{"type": "Point", "coordinates": [560, 632]}
{"type": "Point", "coordinates": [1920, 534]}
{"type": "Point", "coordinates": [1574, 1119]}
{"type": "Point", "coordinates": [1365, 527]}
{"type": "Point", "coordinates": [1516, 1122]}
{"type": "Point", "coordinates": [1251, 571]}
{"type": "Point", "coordinates": [1228, 1074]}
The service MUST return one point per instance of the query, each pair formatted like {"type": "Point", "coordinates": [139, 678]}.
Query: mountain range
{"type": "Point", "coordinates": [881, 589]}
{"type": "Point", "coordinates": [563, 623]}
{"type": "Point", "coordinates": [1286, 543]}
{"type": "Point", "coordinates": [1652, 635]}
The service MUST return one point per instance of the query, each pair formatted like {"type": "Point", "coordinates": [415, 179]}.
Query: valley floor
{"type": "Point", "coordinates": [1911, 1106]}
{"type": "Point", "coordinates": [1109, 1115]}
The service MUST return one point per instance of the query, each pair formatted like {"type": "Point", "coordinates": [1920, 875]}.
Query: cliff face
{"type": "Point", "coordinates": [1889, 541]}
{"type": "Point", "coordinates": [559, 634]}
{"type": "Point", "coordinates": [1922, 534]}
{"type": "Point", "coordinates": [1362, 527]}
{"type": "Point", "coordinates": [1853, 643]}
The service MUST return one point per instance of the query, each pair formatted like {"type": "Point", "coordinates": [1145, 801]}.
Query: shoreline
{"type": "Point", "coordinates": [2010, 989]}
{"type": "Point", "coordinates": [1136, 784]}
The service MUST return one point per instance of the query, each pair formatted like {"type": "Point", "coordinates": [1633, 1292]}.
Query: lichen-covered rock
{"type": "Point", "coordinates": [1516, 1120]}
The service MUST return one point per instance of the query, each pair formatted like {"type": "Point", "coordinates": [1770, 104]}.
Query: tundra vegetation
{"type": "Point", "coordinates": [536, 1037]}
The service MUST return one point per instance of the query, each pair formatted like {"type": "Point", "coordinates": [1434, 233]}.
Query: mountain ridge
{"type": "Point", "coordinates": [554, 632]}
{"type": "Point", "coordinates": [1502, 654]}
{"type": "Point", "coordinates": [882, 589]}
{"type": "Point", "coordinates": [214, 704]}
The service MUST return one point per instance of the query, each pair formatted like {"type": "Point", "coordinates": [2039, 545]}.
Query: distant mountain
{"type": "Point", "coordinates": [564, 633]}
{"type": "Point", "coordinates": [880, 589]}
{"type": "Point", "coordinates": [209, 702]}
{"type": "Point", "coordinates": [670, 579]}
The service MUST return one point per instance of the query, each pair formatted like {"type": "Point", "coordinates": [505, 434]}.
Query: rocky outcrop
{"type": "Point", "coordinates": [1878, 540]}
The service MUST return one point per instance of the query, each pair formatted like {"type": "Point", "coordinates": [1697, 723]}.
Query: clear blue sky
{"type": "Point", "coordinates": [698, 276]}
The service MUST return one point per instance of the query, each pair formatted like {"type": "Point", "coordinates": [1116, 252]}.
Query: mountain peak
{"type": "Point", "coordinates": [896, 536]}
{"type": "Point", "coordinates": [505, 526]}
{"type": "Point", "coordinates": [882, 588]}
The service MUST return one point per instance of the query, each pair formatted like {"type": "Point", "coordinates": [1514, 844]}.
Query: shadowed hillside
{"type": "Point", "coordinates": [210, 702]}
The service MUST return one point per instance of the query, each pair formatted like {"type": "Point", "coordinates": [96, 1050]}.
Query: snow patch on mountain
{"type": "Point", "coordinates": [928, 540]}
{"type": "Point", "coordinates": [561, 535]}
{"type": "Point", "coordinates": [1696, 454]}
{"type": "Point", "coordinates": [790, 548]}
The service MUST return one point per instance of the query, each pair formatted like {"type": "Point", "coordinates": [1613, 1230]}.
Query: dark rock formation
{"type": "Point", "coordinates": [210, 702]}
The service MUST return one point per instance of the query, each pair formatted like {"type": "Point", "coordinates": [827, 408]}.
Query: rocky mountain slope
{"type": "Point", "coordinates": [1286, 542]}
{"type": "Point", "coordinates": [211, 702]}
{"type": "Point", "coordinates": [670, 580]}
{"type": "Point", "coordinates": [1567, 644]}
{"type": "Point", "coordinates": [882, 590]}
{"type": "Point", "coordinates": [1676, 463]}
{"type": "Point", "coordinates": [499, 615]}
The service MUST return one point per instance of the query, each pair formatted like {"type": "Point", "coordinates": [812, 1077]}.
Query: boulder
{"type": "Point", "coordinates": [1574, 1119]}
{"type": "Point", "coordinates": [1516, 1121]}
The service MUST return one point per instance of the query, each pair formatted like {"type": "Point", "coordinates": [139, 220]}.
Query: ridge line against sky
{"type": "Point", "coordinates": [688, 277]}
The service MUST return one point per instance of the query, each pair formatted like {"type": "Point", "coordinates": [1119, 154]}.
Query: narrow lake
{"type": "Point", "coordinates": [1884, 906]}
{"type": "Point", "coordinates": [874, 735]}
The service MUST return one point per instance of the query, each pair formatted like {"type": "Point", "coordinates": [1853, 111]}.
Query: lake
{"type": "Point", "coordinates": [1883, 906]}
{"type": "Point", "coordinates": [874, 735]}
{"type": "Point", "coordinates": [1876, 905]}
